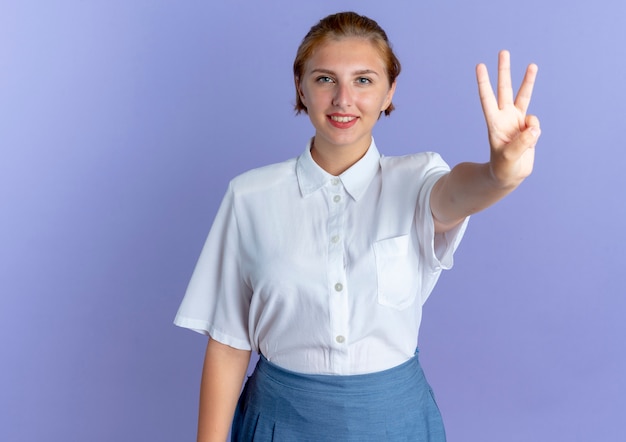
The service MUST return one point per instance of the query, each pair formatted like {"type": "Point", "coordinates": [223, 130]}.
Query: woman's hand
{"type": "Point", "coordinates": [512, 133]}
{"type": "Point", "coordinates": [472, 187]}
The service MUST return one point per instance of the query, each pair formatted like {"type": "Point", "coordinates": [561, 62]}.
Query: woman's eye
{"type": "Point", "coordinates": [324, 80]}
{"type": "Point", "coordinates": [363, 80]}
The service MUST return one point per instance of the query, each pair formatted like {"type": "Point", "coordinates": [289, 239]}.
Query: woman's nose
{"type": "Point", "coordinates": [343, 96]}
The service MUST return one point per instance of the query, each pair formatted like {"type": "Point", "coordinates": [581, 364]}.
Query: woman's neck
{"type": "Point", "coordinates": [336, 160]}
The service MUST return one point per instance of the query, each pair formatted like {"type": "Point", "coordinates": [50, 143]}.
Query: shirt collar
{"type": "Point", "coordinates": [311, 177]}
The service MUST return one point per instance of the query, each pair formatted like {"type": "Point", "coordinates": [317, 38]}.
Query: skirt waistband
{"type": "Point", "coordinates": [360, 384]}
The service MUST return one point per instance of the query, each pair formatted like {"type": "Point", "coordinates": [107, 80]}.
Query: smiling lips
{"type": "Point", "coordinates": [342, 121]}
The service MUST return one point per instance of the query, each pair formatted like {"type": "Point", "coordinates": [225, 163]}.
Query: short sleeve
{"type": "Point", "coordinates": [217, 300]}
{"type": "Point", "coordinates": [437, 248]}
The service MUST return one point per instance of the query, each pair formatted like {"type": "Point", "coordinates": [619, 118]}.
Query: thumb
{"type": "Point", "coordinates": [523, 141]}
{"type": "Point", "coordinates": [533, 127]}
{"type": "Point", "coordinates": [529, 136]}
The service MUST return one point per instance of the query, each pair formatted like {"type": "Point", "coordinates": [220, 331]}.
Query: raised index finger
{"type": "Point", "coordinates": [522, 101]}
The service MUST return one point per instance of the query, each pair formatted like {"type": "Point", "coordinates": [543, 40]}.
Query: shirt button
{"type": "Point", "coordinates": [340, 339]}
{"type": "Point", "coordinates": [336, 198]}
{"type": "Point", "coordinates": [335, 239]}
{"type": "Point", "coordinates": [334, 181]}
{"type": "Point", "coordinates": [339, 287]}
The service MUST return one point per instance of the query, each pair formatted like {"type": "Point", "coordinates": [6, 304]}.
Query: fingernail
{"type": "Point", "coordinates": [535, 131]}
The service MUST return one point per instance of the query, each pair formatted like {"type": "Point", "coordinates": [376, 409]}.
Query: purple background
{"type": "Point", "coordinates": [122, 121]}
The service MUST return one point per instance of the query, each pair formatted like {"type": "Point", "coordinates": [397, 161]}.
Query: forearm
{"type": "Point", "coordinates": [222, 377]}
{"type": "Point", "coordinates": [467, 189]}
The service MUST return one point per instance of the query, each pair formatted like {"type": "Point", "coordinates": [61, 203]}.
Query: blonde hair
{"type": "Point", "coordinates": [341, 25]}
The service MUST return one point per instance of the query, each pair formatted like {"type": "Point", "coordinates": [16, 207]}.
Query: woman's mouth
{"type": "Point", "coordinates": [342, 121]}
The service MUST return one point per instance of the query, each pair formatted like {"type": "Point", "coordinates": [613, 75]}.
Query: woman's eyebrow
{"type": "Point", "coordinates": [358, 72]}
{"type": "Point", "coordinates": [366, 72]}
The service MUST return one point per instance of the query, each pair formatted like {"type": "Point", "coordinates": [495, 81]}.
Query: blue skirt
{"type": "Point", "coordinates": [391, 405]}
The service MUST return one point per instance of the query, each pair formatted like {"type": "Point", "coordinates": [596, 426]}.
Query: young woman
{"type": "Point", "coordinates": [322, 263]}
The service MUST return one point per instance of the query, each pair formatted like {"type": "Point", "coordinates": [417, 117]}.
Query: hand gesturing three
{"type": "Point", "coordinates": [512, 133]}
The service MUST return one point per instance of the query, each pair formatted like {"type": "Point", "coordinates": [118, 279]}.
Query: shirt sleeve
{"type": "Point", "coordinates": [217, 300]}
{"type": "Point", "coordinates": [437, 248]}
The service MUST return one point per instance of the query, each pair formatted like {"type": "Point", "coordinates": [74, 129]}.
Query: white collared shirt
{"type": "Point", "coordinates": [323, 274]}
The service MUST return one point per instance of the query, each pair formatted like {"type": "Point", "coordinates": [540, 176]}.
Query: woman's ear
{"type": "Point", "coordinates": [299, 89]}
{"type": "Point", "coordinates": [389, 97]}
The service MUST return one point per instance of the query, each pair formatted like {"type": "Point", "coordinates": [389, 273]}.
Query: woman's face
{"type": "Point", "coordinates": [345, 87]}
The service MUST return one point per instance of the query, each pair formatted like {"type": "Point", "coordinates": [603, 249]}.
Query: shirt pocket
{"type": "Point", "coordinates": [396, 272]}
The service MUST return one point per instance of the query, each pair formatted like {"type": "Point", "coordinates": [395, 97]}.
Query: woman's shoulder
{"type": "Point", "coordinates": [264, 177]}
{"type": "Point", "coordinates": [420, 160]}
